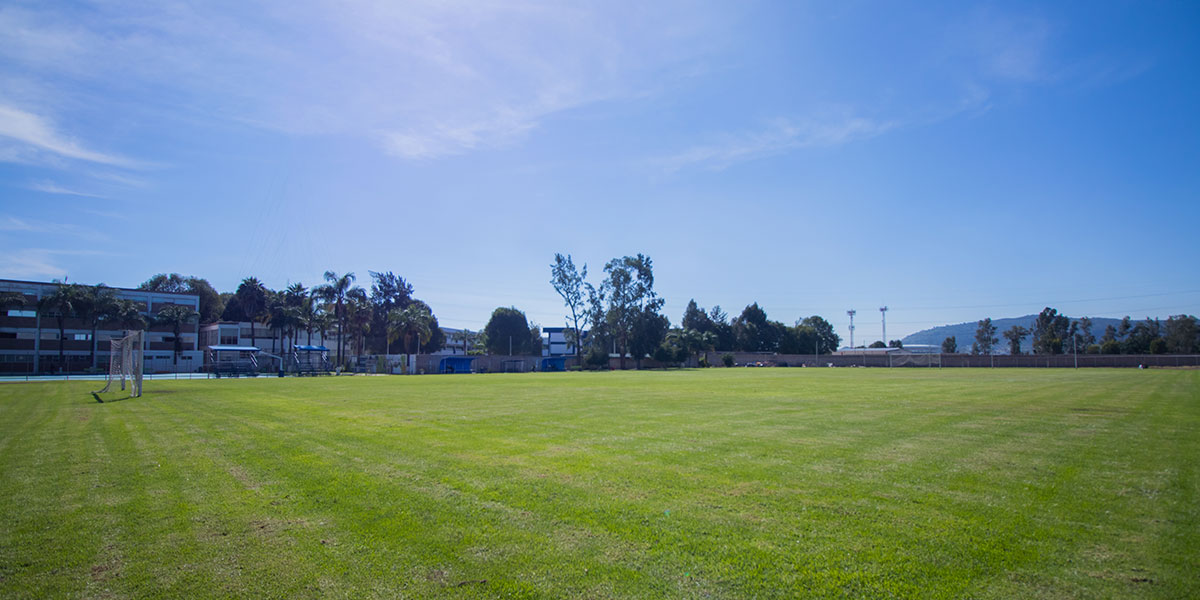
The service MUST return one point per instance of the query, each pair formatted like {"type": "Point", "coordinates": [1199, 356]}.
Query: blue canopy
{"type": "Point", "coordinates": [456, 364]}
{"type": "Point", "coordinates": [554, 363]}
{"type": "Point", "coordinates": [234, 348]}
{"type": "Point", "coordinates": [310, 348]}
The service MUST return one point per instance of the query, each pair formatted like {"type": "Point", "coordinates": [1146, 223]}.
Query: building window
{"type": "Point", "coordinates": [8, 335]}
{"type": "Point", "coordinates": [17, 312]}
{"type": "Point", "coordinates": [81, 337]}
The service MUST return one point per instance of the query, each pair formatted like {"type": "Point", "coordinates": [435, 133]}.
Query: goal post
{"type": "Point", "coordinates": [125, 361]}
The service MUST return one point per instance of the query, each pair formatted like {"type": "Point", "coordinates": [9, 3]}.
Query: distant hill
{"type": "Point", "coordinates": [964, 333]}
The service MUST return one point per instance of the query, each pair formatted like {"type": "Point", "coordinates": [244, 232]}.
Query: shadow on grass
{"type": "Point", "coordinates": [108, 400]}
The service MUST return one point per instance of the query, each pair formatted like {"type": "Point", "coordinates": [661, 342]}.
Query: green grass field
{"type": "Point", "coordinates": [725, 483]}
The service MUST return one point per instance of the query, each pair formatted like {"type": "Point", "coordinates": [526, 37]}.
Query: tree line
{"type": "Point", "coordinates": [1054, 333]}
{"type": "Point", "coordinates": [385, 319]}
{"type": "Point", "coordinates": [623, 316]}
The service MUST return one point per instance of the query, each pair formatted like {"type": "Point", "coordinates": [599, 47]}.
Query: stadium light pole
{"type": "Point", "coordinates": [851, 312]}
{"type": "Point", "coordinates": [883, 314]}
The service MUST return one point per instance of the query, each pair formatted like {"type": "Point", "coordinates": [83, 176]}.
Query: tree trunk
{"type": "Point", "coordinates": [95, 326]}
{"type": "Point", "coordinates": [62, 334]}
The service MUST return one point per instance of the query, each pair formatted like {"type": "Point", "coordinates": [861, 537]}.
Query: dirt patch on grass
{"type": "Point", "coordinates": [109, 565]}
{"type": "Point", "coordinates": [271, 527]}
{"type": "Point", "coordinates": [244, 478]}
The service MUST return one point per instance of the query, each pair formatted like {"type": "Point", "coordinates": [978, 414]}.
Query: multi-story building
{"type": "Point", "coordinates": [30, 341]}
{"type": "Point", "coordinates": [556, 342]}
{"type": "Point", "coordinates": [458, 342]}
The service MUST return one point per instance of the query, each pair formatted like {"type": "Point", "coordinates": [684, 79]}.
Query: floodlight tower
{"type": "Point", "coordinates": [851, 312]}
{"type": "Point", "coordinates": [883, 314]}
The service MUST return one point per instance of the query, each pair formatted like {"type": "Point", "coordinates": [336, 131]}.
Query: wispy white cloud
{"type": "Point", "coordinates": [421, 79]}
{"type": "Point", "coordinates": [781, 135]}
{"type": "Point", "coordinates": [29, 134]}
{"type": "Point", "coordinates": [50, 187]}
{"type": "Point", "coordinates": [39, 263]}
{"type": "Point", "coordinates": [19, 225]}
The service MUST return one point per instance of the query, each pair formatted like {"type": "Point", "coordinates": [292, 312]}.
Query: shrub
{"type": "Point", "coordinates": [727, 359]}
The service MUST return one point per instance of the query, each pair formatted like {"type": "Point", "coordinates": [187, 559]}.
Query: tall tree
{"type": "Point", "coordinates": [176, 316]}
{"type": "Point", "coordinates": [1084, 337]}
{"type": "Point", "coordinates": [950, 345]}
{"type": "Point", "coordinates": [1050, 330]}
{"type": "Point", "coordinates": [1141, 337]}
{"type": "Point", "coordinates": [827, 339]}
{"type": "Point", "coordinates": [165, 282]}
{"type": "Point", "coordinates": [1182, 334]}
{"type": "Point", "coordinates": [413, 323]}
{"type": "Point", "coordinates": [252, 299]}
{"type": "Point", "coordinates": [722, 328]}
{"type": "Point", "coordinates": [388, 291]}
{"type": "Point", "coordinates": [63, 303]}
{"type": "Point", "coordinates": [334, 291]}
{"type": "Point", "coordinates": [571, 284]}
{"type": "Point", "coordinates": [128, 315]}
{"type": "Point", "coordinates": [507, 332]}
{"type": "Point", "coordinates": [629, 290]}
{"type": "Point", "coordinates": [985, 337]}
{"type": "Point", "coordinates": [97, 304]}
{"type": "Point", "coordinates": [1110, 334]}
{"type": "Point", "coordinates": [752, 332]}
{"type": "Point", "coordinates": [696, 319]}
{"type": "Point", "coordinates": [211, 303]}
{"type": "Point", "coordinates": [1014, 335]}
{"type": "Point", "coordinates": [358, 318]}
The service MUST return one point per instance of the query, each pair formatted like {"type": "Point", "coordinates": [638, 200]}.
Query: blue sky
{"type": "Point", "coordinates": [950, 160]}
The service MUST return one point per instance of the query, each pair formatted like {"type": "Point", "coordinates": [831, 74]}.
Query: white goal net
{"type": "Point", "coordinates": [125, 361]}
{"type": "Point", "coordinates": [905, 359]}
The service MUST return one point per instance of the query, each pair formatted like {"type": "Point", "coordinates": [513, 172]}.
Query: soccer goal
{"type": "Point", "coordinates": [905, 359]}
{"type": "Point", "coordinates": [125, 360]}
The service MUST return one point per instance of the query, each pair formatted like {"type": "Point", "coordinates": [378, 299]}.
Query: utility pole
{"type": "Point", "coordinates": [851, 312]}
{"type": "Point", "coordinates": [883, 313]}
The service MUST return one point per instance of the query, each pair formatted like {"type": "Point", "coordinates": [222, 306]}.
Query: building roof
{"type": "Point", "coordinates": [123, 289]}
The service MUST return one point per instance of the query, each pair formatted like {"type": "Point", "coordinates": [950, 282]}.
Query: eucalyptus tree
{"type": "Point", "coordinates": [985, 337]}
{"type": "Point", "coordinates": [571, 284]}
{"type": "Point", "coordinates": [1014, 335]}
{"type": "Point", "coordinates": [632, 305]}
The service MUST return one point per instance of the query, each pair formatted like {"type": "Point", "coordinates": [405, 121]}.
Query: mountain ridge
{"type": "Point", "coordinates": [964, 333]}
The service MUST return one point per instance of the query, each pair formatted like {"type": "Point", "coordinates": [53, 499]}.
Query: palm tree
{"type": "Point", "coordinates": [309, 316]}
{"type": "Point", "coordinates": [128, 315]}
{"type": "Point", "coordinates": [335, 291]}
{"type": "Point", "coordinates": [358, 317]}
{"type": "Point", "coordinates": [176, 315]}
{"type": "Point", "coordinates": [252, 297]}
{"type": "Point", "coordinates": [413, 321]}
{"type": "Point", "coordinates": [294, 298]}
{"type": "Point", "coordinates": [10, 299]}
{"type": "Point", "coordinates": [97, 305]}
{"type": "Point", "coordinates": [62, 303]}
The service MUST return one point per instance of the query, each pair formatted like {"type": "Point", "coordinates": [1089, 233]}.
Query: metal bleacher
{"type": "Point", "coordinates": [310, 360]}
{"type": "Point", "coordinates": [236, 368]}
